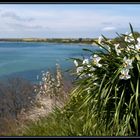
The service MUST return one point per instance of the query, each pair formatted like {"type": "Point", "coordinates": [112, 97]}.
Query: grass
{"type": "Point", "coordinates": [70, 121]}
{"type": "Point", "coordinates": [61, 123]}
{"type": "Point", "coordinates": [53, 125]}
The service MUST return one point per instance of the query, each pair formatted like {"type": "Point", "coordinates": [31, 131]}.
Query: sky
{"type": "Point", "coordinates": [67, 20]}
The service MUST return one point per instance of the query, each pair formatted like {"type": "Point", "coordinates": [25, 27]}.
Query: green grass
{"type": "Point", "coordinates": [56, 124]}
{"type": "Point", "coordinates": [71, 120]}
{"type": "Point", "coordinates": [61, 124]}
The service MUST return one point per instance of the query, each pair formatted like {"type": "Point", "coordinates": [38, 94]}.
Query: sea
{"type": "Point", "coordinates": [28, 59]}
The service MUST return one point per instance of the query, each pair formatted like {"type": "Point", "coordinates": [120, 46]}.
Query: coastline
{"type": "Point", "coordinates": [79, 41]}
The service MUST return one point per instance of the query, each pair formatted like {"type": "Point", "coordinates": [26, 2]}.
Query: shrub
{"type": "Point", "coordinates": [108, 84]}
{"type": "Point", "coordinates": [16, 94]}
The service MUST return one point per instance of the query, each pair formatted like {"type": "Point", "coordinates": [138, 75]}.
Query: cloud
{"type": "Point", "coordinates": [18, 26]}
{"type": "Point", "coordinates": [106, 23]}
{"type": "Point", "coordinates": [14, 16]}
{"type": "Point", "coordinates": [54, 20]}
{"type": "Point", "coordinates": [109, 29]}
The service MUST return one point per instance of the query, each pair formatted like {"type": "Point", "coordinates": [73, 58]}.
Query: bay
{"type": "Point", "coordinates": [28, 59]}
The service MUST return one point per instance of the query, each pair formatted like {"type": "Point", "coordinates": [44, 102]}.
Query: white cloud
{"type": "Point", "coordinates": [14, 16]}
{"type": "Point", "coordinates": [109, 28]}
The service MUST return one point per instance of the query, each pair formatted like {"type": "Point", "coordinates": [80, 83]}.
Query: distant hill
{"type": "Point", "coordinates": [56, 40]}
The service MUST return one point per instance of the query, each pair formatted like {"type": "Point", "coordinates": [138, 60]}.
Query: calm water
{"type": "Point", "coordinates": [28, 59]}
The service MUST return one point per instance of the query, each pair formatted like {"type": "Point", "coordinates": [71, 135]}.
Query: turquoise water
{"type": "Point", "coordinates": [28, 59]}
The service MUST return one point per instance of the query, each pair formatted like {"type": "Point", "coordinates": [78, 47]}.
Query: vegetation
{"type": "Point", "coordinates": [19, 96]}
{"type": "Point", "coordinates": [105, 101]}
{"type": "Point", "coordinates": [110, 89]}
{"type": "Point", "coordinates": [52, 86]}
{"type": "Point", "coordinates": [16, 94]}
{"type": "Point", "coordinates": [121, 38]}
{"type": "Point", "coordinates": [51, 40]}
{"type": "Point", "coordinates": [105, 98]}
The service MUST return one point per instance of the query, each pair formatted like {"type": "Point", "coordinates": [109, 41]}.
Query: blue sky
{"type": "Point", "coordinates": [67, 20]}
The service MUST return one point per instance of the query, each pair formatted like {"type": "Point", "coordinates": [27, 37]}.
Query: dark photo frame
{"type": "Point", "coordinates": [69, 69]}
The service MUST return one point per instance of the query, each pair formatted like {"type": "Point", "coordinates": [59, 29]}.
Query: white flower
{"type": "Point", "coordinates": [138, 57]}
{"type": "Point", "coordinates": [95, 84]}
{"type": "Point", "coordinates": [79, 69]}
{"type": "Point", "coordinates": [138, 39]}
{"type": "Point", "coordinates": [124, 74]}
{"type": "Point", "coordinates": [89, 66]}
{"type": "Point", "coordinates": [130, 34]}
{"type": "Point", "coordinates": [130, 47]}
{"type": "Point", "coordinates": [96, 60]}
{"type": "Point", "coordinates": [126, 39]}
{"type": "Point", "coordinates": [118, 51]}
{"type": "Point", "coordinates": [129, 38]}
{"type": "Point", "coordinates": [92, 69]}
{"type": "Point", "coordinates": [100, 39]}
{"type": "Point", "coordinates": [85, 61]}
{"type": "Point", "coordinates": [137, 47]}
{"type": "Point", "coordinates": [76, 63]}
{"type": "Point", "coordinates": [127, 63]}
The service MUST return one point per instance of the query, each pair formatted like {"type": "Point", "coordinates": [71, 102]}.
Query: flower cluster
{"type": "Point", "coordinates": [96, 60]}
{"type": "Point", "coordinates": [126, 55]}
{"type": "Point", "coordinates": [133, 46]}
{"type": "Point", "coordinates": [117, 49]}
{"type": "Point", "coordinates": [88, 64]}
{"type": "Point", "coordinates": [138, 44]}
{"type": "Point", "coordinates": [110, 81]}
{"type": "Point", "coordinates": [129, 38]}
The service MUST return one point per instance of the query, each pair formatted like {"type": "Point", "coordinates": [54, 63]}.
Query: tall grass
{"type": "Point", "coordinates": [53, 86]}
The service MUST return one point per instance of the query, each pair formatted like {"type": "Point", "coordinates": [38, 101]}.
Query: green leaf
{"type": "Point", "coordinates": [131, 28]}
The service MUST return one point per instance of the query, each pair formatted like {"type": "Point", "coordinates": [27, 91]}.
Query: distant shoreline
{"type": "Point", "coordinates": [50, 40]}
